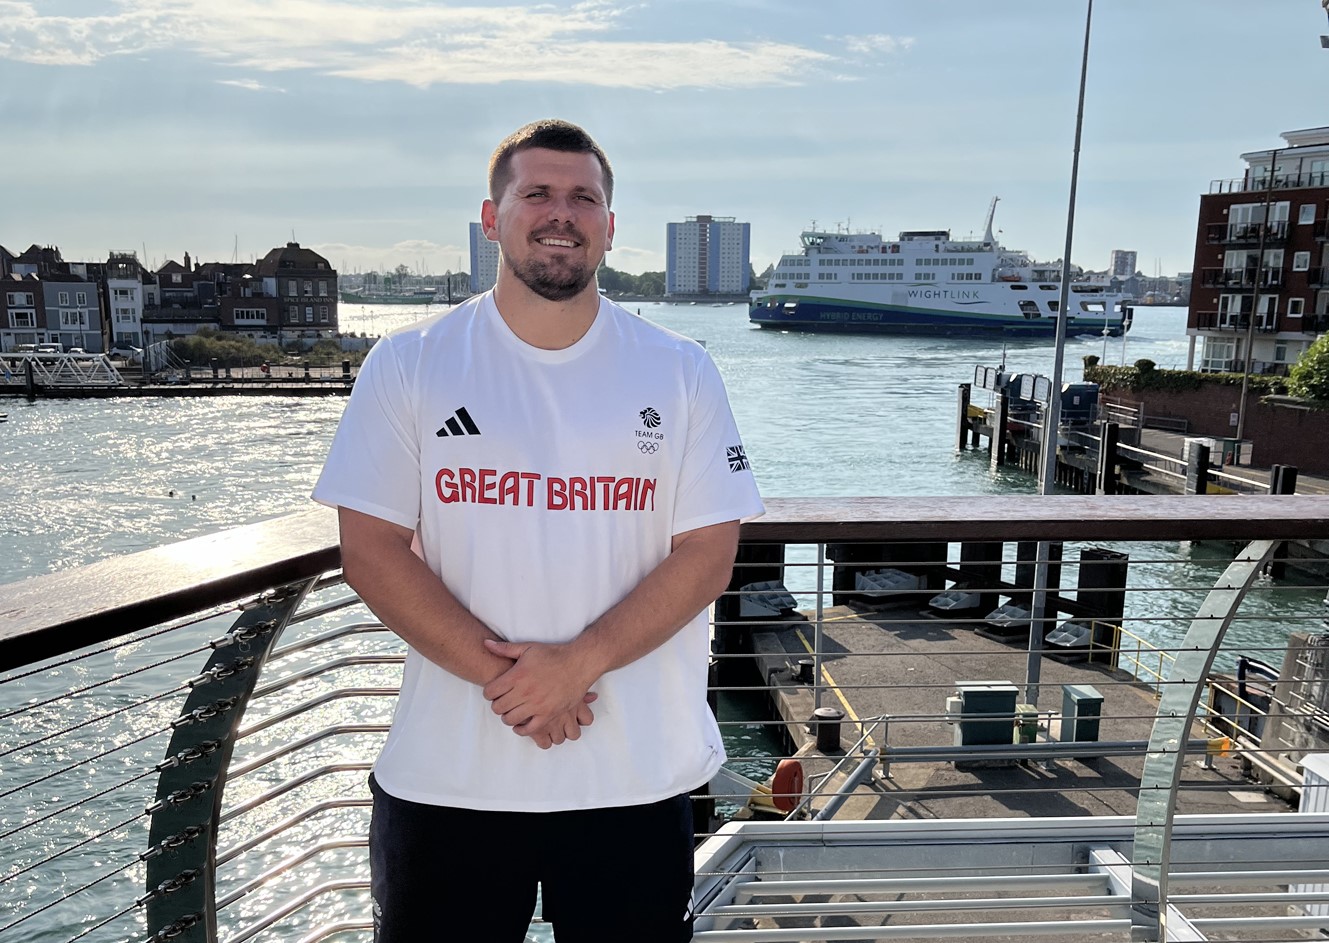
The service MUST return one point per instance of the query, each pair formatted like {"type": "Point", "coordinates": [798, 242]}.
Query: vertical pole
{"type": "Point", "coordinates": [1282, 480]}
{"type": "Point", "coordinates": [1001, 422]}
{"type": "Point", "coordinates": [962, 419]}
{"type": "Point", "coordinates": [1197, 470]}
{"type": "Point", "coordinates": [1255, 306]}
{"type": "Point", "coordinates": [1052, 413]}
{"type": "Point", "coordinates": [1108, 438]}
{"type": "Point", "coordinates": [817, 634]}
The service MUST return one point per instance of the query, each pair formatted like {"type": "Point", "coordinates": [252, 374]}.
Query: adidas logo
{"type": "Point", "coordinates": [460, 424]}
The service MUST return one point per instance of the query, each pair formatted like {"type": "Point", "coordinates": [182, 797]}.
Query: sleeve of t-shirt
{"type": "Point", "coordinates": [373, 465]}
{"type": "Point", "coordinates": [715, 483]}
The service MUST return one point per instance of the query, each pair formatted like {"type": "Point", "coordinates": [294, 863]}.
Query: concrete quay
{"type": "Point", "coordinates": [893, 662]}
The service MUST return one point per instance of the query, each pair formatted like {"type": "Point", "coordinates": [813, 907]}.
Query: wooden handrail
{"type": "Point", "coordinates": [64, 611]}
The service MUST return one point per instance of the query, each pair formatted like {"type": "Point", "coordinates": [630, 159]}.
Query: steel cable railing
{"type": "Point", "coordinates": [293, 808]}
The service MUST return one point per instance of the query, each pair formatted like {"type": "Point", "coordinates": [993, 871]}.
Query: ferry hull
{"type": "Point", "coordinates": [849, 317]}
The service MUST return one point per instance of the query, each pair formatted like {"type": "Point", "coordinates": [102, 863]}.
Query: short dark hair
{"type": "Point", "coordinates": [553, 134]}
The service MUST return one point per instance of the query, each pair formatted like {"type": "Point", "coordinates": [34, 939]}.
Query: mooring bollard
{"type": "Point", "coordinates": [826, 721]}
{"type": "Point", "coordinates": [806, 667]}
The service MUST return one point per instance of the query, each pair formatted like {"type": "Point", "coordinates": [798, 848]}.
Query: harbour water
{"type": "Point", "coordinates": [820, 415]}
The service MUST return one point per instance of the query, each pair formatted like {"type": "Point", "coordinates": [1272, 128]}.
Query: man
{"type": "Point", "coordinates": [541, 494]}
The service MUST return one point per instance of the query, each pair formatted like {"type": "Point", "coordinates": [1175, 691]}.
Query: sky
{"type": "Point", "coordinates": [362, 128]}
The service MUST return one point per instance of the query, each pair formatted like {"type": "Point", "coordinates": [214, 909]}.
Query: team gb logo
{"type": "Point", "coordinates": [650, 418]}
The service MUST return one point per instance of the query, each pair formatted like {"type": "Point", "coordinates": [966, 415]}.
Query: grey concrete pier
{"type": "Point", "coordinates": [895, 663]}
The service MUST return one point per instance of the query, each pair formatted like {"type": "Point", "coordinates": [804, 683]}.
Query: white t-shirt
{"type": "Point", "coordinates": [543, 485]}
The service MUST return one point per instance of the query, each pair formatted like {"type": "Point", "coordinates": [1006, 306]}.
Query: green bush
{"type": "Point", "coordinates": [228, 350]}
{"type": "Point", "coordinates": [1150, 377]}
{"type": "Point", "coordinates": [1309, 376]}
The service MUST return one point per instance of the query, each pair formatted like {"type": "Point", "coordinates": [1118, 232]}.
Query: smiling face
{"type": "Point", "coordinates": [552, 221]}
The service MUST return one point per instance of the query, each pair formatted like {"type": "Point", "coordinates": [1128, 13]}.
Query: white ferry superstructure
{"type": "Point", "coordinates": [927, 283]}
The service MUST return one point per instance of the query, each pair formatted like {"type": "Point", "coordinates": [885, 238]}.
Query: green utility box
{"type": "Point", "coordinates": [1026, 723]}
{"type": "Point", "coordinates": [1081, 708]}
{"type": "Point", "coordinates": [989, 712]}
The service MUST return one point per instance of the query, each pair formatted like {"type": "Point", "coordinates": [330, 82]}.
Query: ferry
{"type": "Point", "coordinates": [925, 282]}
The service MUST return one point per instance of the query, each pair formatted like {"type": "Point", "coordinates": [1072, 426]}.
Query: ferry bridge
{"type": "Point", "coordinates": [1135, 754]}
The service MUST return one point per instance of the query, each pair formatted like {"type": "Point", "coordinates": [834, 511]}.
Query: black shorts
{"type": "Point", "coordinates": [606, 875]}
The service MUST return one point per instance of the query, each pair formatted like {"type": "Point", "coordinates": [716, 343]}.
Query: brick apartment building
{"type": "Point", "coordinates": [1261, 277]}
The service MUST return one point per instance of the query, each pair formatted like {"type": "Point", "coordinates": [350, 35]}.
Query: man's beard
{"type": "Point", "coordinates": [555, 280]}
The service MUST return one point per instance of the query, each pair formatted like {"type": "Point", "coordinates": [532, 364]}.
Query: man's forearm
{"type": "Point", "coordinates": [413, 602]}
{"type": "Point", "coordinates": [547, 678]}
{"type": "Point", "coordinates": [687, 581]}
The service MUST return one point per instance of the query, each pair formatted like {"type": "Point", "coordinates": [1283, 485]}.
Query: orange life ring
{"type": "Point", "coordinates": [787, 785]}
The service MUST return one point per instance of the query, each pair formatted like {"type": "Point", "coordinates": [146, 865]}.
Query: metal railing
{"type": "Point", "coordinates": [1244, 233]}
{"type": "Point", "coordinates": [187, 737]}
{"type": "Point", "coordinates": [1252, 184]}
{"type": "Point", "coordinates": [1240, 277]}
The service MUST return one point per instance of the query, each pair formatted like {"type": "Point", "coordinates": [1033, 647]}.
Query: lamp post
{"type": "Point", "coordinates": [1052, 410]}
{"type": "Point", "coordinates": [1255, 303]}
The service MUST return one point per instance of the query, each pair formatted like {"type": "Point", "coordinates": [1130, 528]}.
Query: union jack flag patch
{"type": "Point", "coordinates": [738, 459]}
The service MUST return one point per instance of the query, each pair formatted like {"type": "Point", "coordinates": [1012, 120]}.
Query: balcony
{"type": "Point", "coordinates": [1240, 278]}
{"type": "Point", "coordinates": [1318, 277]}
{"type": "Point", "coordinates": [1322, 229]}
{"type": "Point", "coordinates": [1247, 233]}
{"type": "Point", "coordinates": [1262, 184]}
{"type": "Point", "coordinates": [187, 751]}
{"type": "Point", "coordinates": [1224, 321]}
{"type": "Point", "coordinates": [1315, 324]}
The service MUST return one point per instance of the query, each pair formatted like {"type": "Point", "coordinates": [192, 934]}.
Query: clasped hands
{"type": "Point", "coordinates": [545, 694]}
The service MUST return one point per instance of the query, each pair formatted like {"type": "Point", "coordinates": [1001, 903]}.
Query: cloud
{"type": "Point", "coordinates": [411, 43]}
{"type": "Point", "coordinates": [250, 85]}
{"type": "Point", "coordinates": [878, 43]}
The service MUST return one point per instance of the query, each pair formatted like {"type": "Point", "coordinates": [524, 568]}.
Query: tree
{"type": "Point", "coordinates": [1309, 376]}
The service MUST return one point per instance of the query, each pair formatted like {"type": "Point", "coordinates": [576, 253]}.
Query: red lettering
{"type": "Point", "coordinates": [623, 493]}
{"type": "Point", "coordinates": [446, 486]}
{"type": "Point", "coordinates": [467, 476]}
{"type": "Point", "coordinates": [530, 478]}
{"type": "Point", "coordinates": [606, 482]}
{"type": "Point", "coordinates": [509, 488]}
{"type": "Point", "coordinates": [577, 492]}
{"type": "Point", "coordinates": [487, 485]}
{"type": "Point", "coordinates": [556, 494]}
{"type": "Point", "coordinates": [647, 491]}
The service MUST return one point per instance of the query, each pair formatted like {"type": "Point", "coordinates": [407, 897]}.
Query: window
{"type": "Point", "coordinates": [64, 297]}
{"type": "Point", "coordinates": [322, 288]}
{"type": "Point", "coordinates": [1280, 352]}
{"type": "Point", "coordinates": [309, 288]}
{"type": "Point", "coordinates": [323, 314]}
{"type": "Point", "coordinates": [1306, 214]}
{"type": "Point", "coordinates": [73, 319]}
{"type": "Point", "coordinates": [292, 313]}
{"type": "Point", "coordinates": [309, 314]}
{"type": "Point", "coordinates": [292, 288]}
{"type": "Point", "coordinates": [1301, 261]}
{"type": "Point", "coordinates": [22, 319]}
{"type": "Point", "coordinates": [20, 299]}
{"type": "Point", "coordinates": [1218, 353]}
{"type": "Point", "coordinates": [1295, 306]}
{"type": "Point", "coordinates": [81, 298]}
{"type": "Point", "coordinates": [175, 278]}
